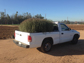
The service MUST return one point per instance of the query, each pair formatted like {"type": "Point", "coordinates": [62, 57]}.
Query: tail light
{"type": "Point", "coordinates": [14, 35]}
{"type": "Point", "coordinates": [29, 39]}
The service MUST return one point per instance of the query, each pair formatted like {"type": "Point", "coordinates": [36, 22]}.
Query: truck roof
{"type": "Point", "coordinates": [56, 22]}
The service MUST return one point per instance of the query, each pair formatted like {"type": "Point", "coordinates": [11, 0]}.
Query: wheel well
{"type": "Point", "coordinates": [48, 38]}
{"type": "Point", "coordinates": [77, 35]}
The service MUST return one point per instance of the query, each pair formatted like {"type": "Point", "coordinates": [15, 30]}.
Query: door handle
{"type": "Point", "coordinates": [62, 33]}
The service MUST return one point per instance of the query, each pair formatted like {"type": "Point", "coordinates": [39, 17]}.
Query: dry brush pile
{"type": "Point", "coordinates": [35, 25]}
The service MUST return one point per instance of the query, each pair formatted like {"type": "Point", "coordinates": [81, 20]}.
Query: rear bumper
{"type": "Point", "coordinates": [21, 45]}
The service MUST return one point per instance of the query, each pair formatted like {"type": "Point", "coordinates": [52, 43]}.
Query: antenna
{"type": "Point", "coordinates": [33, 15]}
{"type": "Point", "coordinates": [5, 11]}
{"type": "Point", "coordinates": [67, 18]}
{"type": "Point", "coordinates": [45, 16]}
{"type": "Point", "coordinates": [5, 16]}
{"type": "Point", "coordinates": [81, 20]}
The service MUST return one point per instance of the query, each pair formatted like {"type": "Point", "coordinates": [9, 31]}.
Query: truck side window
{"type": "Point", "coordinates": [55, 28]}
{"type": "Point", "coordinates": [64, 27]}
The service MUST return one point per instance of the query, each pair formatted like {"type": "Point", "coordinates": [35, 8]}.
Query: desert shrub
{"type": "Point", "coordinates": [36, 25]}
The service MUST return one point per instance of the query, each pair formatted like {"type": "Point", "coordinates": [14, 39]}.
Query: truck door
{"type": "Point", "coordinates": [65, 33]}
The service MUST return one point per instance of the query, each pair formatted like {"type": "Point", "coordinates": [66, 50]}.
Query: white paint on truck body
{"type": "Point", "coordinates": [22, 37]}
{"type": "Point", "coordinates": [37, 38]}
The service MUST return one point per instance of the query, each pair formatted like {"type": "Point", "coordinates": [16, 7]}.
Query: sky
{"type": "Point", "coordinates": [56, 10]}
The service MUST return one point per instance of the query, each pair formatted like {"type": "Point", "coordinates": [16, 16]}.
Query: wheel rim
{"type": "Point", "coordinates": [47, 46]}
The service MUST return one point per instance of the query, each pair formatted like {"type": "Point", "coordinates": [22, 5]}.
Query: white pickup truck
{"type": "Point", "coordinates": [60, 34]}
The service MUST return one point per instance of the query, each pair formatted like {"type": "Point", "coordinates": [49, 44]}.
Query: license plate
{"type": "Point", "coordinates": [20, 43]}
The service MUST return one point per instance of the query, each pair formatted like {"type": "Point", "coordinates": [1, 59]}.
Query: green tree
{"type": "Point", "coordinates": [8, 19]}
{"type": "Point", "coordinates": [39, 16]}
{"type": "Point", "coordinates": [67, 22]}
{"type": "Point", "coordinates": [2, 17]}
{"type": "Point", "coordinates": [16, 18]}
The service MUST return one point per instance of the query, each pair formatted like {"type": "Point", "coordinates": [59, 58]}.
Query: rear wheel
{"type": "Point", "coordinates": [46, 46]}
{"type": "Point", "coordinates": [75, 39]}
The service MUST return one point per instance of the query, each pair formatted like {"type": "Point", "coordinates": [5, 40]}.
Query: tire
{"type": "Point", "coordinates": [75, 39]}
{"type": "Point", "coordinates": [12, 37]}
{"type": "Point", "coordinates": [46, 46]}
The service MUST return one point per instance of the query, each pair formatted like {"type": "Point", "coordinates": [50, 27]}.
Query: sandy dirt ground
{"type": "Point", "coordinates": [62, 53]}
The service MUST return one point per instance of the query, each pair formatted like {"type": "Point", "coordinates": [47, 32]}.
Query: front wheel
{"type": "Point", "coordinates": [75, 40]}
{"type": "Point", "coordinates": [46, 46]}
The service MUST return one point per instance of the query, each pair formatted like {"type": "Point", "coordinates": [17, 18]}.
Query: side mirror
{"type": "Point", "coordinates": [69, 28]}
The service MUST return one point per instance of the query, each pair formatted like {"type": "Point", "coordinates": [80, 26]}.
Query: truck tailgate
{"type": "Point", "coordinates": [22, 37]}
